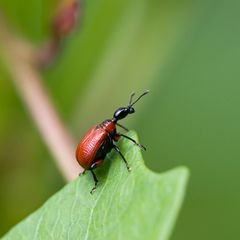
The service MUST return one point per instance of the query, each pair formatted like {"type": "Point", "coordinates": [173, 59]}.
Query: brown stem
{"type": "Point", "coordinates": [19, 60]}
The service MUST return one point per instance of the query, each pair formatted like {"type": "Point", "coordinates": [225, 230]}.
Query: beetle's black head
{"type": "Point", "coordinates": [122, 112]}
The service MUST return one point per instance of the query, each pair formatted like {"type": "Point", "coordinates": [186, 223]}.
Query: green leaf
{"type": "Point", "coordinates": [136, 205]}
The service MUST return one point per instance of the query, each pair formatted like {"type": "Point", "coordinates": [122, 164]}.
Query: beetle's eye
{"type": "Point", "coordinates": [131, 110]}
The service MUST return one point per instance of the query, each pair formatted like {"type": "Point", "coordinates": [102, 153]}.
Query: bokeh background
{"type": "Point", "coordinates": [186, 52]}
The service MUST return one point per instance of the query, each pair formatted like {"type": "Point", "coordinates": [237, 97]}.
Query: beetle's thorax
{"type": "Point", "coordinates": [109, 126]}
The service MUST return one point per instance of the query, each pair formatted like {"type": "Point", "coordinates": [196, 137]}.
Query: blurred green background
{"type": "Point", "coordinates": [186, 52]}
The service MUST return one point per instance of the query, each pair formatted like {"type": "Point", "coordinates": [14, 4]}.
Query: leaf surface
{"type": "Point", "coordinates": [136, 205]}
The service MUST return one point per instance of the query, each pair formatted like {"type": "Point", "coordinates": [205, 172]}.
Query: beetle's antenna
{"type": "Point", "coordinates": [131, 104]}
{"type": "Point", "coordinates": [131, 97]}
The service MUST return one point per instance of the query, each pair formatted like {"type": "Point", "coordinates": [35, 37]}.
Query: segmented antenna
{"type": "Point", "coordinates": [131, 97]}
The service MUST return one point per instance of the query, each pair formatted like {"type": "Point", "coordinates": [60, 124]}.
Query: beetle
{"type": "Point", "coordinates": [99, 140]}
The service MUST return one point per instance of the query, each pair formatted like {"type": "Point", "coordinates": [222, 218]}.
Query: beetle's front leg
{"type": "Point", "coordinates": [121, 126]}
{"type": "Point", "coordinates": [138, 144]}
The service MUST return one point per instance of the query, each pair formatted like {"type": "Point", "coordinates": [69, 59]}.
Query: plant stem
{"type": "Point", "coordinates": [19, 58]}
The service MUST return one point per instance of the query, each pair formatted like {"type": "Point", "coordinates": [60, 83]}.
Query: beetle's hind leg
{"type": "Point", "coordinates": [94, 165]}
{"type": "Point", "coordinates": [95, 182]}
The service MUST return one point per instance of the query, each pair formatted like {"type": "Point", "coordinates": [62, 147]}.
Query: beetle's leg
{"type": "Point", "coordinates": [94, 165]}
{"type": "Point", "coordinates": [123, 158]}
{"type": "Point", "coordinates": [95, 182]}
{"type": "Point", "coordinates": [116, 137]}
{"type": "Point", "coordinates": [121, 126]}
{"type": "Point", "coordinates": [138, 144]}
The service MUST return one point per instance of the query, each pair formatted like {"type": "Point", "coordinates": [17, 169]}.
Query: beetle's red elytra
{"type": "Point", "coordinates": [99, 140]}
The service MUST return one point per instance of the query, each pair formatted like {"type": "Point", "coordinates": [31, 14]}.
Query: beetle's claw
{"type": "Point", "coordinates": [129, 169]}
{"type": "Point", "coordinates": [141, 146]}
{"type": "Point", "coordinates": [93, 190]}
{"type": "Point", "coordinates": [82, 173]}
